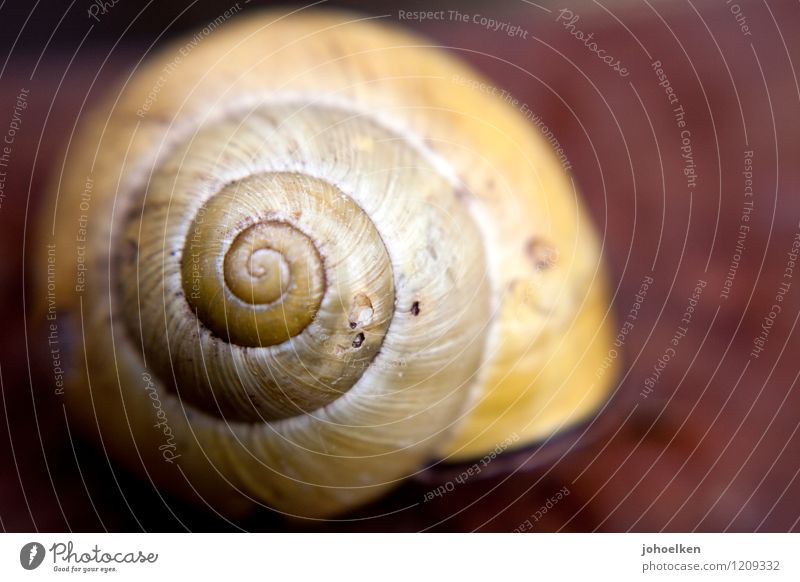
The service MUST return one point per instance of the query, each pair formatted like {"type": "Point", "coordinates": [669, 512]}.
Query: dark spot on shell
{"type": "Point", "coordinates": [462, 194]}
{"type": "Point", "coordinates": [358, 340]}
{"type": "Point", "coordinates": [415, 308]}
{"type": "Point", "coordinates": [542, 254]}
{"type": "Point", "coordinates": [134, 214]}
{"type": "Point", "coordinates": [131, 251]}
{"type": "Point", "coordinates": [353, 325]}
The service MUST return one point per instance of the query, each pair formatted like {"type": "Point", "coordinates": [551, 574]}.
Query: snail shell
{"type": "Point", "coordinates": [315, 261]}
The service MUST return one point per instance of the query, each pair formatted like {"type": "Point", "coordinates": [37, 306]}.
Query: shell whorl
{"type": "Point", "coordinates": [277, 262]}
{"type": "Point", "coordinates": [292, 254]}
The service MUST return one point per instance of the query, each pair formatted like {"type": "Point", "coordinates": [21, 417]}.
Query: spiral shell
{"type": "Point", "coordinates": [328, 262]}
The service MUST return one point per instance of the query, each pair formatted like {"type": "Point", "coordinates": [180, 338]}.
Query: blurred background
{"type": "Point", "coordinates": [711, 445]}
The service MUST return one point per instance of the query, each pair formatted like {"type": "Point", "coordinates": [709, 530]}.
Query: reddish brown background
{"type": "Point", "coordinates": [715, 447]}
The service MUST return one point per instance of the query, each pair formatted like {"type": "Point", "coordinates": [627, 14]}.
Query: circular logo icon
{"type": "Point", "coordinates": [31, 555]}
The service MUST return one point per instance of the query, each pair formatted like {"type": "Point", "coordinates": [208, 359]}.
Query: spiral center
{"type": "Point", "coordinates": [265, 262]}
{"type": "Point", "coordinates": [272, 279]}
{"type": "Point", "coordinates": [255, 273]}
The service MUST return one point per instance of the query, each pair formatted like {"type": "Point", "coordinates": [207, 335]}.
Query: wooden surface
{"type": "Point", "coordinates": [714, 446]}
